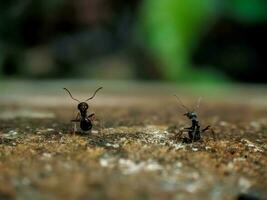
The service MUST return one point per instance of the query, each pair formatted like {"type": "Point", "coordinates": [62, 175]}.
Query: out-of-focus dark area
{"type": "Point", "coordinates": [173, 40]}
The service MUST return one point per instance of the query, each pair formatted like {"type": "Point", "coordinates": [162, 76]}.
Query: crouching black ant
{"type": "Point", "coordinates": [82, 117]}
{"type": "Point", "coordinates": [194, 132]}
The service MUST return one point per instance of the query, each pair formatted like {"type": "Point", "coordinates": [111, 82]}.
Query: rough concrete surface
{"type": "Point", "coordinates": [132, 151]}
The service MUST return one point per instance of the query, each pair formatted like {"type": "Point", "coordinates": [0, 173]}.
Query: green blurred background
{"type": "Point", "coordinates": [167, 40]}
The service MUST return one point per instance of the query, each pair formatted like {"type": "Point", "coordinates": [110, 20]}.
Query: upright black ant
{"type": "Point", "coordinates": [194, 132]}
{"type": "Point", "coordinates": [82, 117]}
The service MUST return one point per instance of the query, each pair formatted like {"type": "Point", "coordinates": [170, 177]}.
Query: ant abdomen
{"type": "Point", "coordinates": [86, 125]}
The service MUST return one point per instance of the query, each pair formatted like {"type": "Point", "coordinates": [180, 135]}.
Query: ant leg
{"type": "Point", "coordinates": [179, 134]}
{"type": "Point", "coordinates": [194, 135]}
{"type": "Point", "coordinates": [211, 130]}
{"type": "Point", "coordinates": [95, 121]}
{"type": "Point", "coordinates": [74, 130]}
{"type": "Point", "coordinates": [74, 121]}
{"type": "Point", "coordinates": [185, 139]}
{"type": "Point", "coordinates": [191, 132]}
{"type": "Point", "coordinates": [191, 135]}
{"type": "Point", "coordinates": [205, 129]}
{"type": "Point", "coordinates": [77, 118]}
{"type": "Point", "coordinates": [92, 117]}
{"type": "Point", "coordinates": [197, 135]}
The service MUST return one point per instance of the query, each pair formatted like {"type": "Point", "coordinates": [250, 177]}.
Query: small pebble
{"type": "Point", "coordinates": [94, 131]}
{"type": "Point", "coordinates": [194, 149]}
{"type": "Point", "coordinates": [47, 155]}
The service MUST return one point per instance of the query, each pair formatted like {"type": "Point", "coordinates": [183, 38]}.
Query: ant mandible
{"type": "Point", "coordinates": [82, 117]}
{"type": "Point", "coordinates": [194, 132]}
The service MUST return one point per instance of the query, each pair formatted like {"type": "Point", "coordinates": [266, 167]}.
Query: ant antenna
{"type": "Point", "coordinates": [71, 95]}
{"type": "Point", "coordinates": [187, 110]}
{"type": "Point", "coordinates": [198, 103]}
{"type": "Point", "coordinates": [94, 94]}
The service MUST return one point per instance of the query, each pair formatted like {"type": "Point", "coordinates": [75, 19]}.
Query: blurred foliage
{"type": "Point", "coordinates": [85, 38]}
{"type": "Point", "coordinates": [23, 25]}
{"type": "Point", "coordinates": [14, 16]}
{"type": "Point", "coordinates": [173, 29]}
{"type": "Point", "coordinates": [249, 11]}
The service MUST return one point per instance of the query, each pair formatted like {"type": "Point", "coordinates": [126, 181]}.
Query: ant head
{"type": "Point", "coordinates": [83, 106]}
{"type": "Point", "coordinates": [190, 115]}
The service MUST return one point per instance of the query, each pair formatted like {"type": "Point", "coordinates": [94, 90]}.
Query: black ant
{"type": "Point", "coordinates": [194, 132]}
{"type": "Point", "coordinates": [82, 117]}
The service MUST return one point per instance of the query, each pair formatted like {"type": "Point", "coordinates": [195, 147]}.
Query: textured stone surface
{"type": "Point", "coordinates": [131, 152]}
